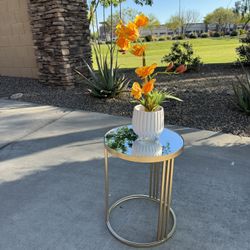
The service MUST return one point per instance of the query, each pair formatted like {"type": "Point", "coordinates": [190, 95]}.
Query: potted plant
{"type": "Point", "coordinates": [148, 115]}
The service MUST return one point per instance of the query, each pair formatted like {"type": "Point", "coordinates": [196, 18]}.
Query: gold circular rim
{"type": "Point", "coordinates": [133, 243]}
{"type": "Point", "coordinates": [143, 159]}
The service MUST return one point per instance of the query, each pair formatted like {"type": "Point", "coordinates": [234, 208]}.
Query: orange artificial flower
{"type": "Point", "coordinates": [145, 71]}
{"type": "Point", "coordinates": [126, 34]}
{"type": "Point", "coordinates": [136, 90]}
{"type": "Point", "coordinates": [141, 20]}
{"type": "Point", "coordinates": [181, 69]}
{"type": "Point", "coordinates": [132, 32]}
{"type": "Point", "coordinates": [148, 86]}
{"type": "Point", "coordinates": [138, 50]}
{"type": "Point", "coordinates": [123, 43]}
{"type": "Point", "coordinates": [170, 66]}
{"type": "Point", "coordinates": [120, 29]}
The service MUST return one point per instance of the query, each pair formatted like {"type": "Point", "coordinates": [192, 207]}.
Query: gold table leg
{"type": "Point", "coordinates": [154, 181]}
{"type": "Point", "coordinates": [165, 186]}
{"type": "Point", "coordinates": [106, 174]}
{"type": "Point", "coordinates": [165, 199]}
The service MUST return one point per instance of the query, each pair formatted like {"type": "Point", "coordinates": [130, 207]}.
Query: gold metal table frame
{"type": "Point", "coordinates": [160, 189]}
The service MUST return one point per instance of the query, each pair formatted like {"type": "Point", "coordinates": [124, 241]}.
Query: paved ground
{"type": "Point", "coordinates": [51, 185]}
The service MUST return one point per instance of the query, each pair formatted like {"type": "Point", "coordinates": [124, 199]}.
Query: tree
{"type": "Point", "coordinates": [144, 2]}
{"type": "Point", "coordinates": [222, 18]}
{"type": "Point", "coordinates": [105, 3]}
{"type": "Point", "coordinates": [93, 4]}
{"type": "Point", "coordinates": [174, 23]}
{"type": "Point", "coordinates": [188, 17]}
{"type": "Point", "coordinates": [242, 8]}
{"type": "Point", "coordinates": [183, 20]}
{"type": "Point", "coordinates": [153, 22]}
{"type": "Point", "coordinates": [127, 14]}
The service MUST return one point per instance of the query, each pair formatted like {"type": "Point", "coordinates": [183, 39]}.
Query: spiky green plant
{"type": "Point", "coordinates": [154, 100]}
{"type": "Point", "coordinates": [106, 81]}
{"type": "Point", "coordinates": [242, 92]}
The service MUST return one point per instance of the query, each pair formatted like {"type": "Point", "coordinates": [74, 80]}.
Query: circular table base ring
{"type": "Point", "coordinates": [132, 243]}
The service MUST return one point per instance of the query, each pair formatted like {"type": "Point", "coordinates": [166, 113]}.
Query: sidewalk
{"type": "Point", "coordinates": [52, 188]}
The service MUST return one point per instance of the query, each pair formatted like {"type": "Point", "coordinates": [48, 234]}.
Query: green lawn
{"type": "Point", "coordinates": [211, 50]}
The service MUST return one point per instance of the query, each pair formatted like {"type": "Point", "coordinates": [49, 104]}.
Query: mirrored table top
{"type": "Point", "coordinates": [123, 143]}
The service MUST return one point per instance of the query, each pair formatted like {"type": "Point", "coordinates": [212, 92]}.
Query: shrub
{"type": "Point", "coordinates": [106, 81]}
{"type": "Point", "coordinates": [215, 34]}
{"type": "Point", "coordinates": [243, 50]}
{"type": "Point", "coordinates": [246, 39]}
{"type": "Point", "coordinates": [204, 35]}
{"type": "Point", "coordinates": [192, 36]}
{"type": "Point", "coordinates": [242, 32]}
{"type": "Point", "coordinates": [196, 63]}
{"type": "Point", "coordinates": [242, 93]}
{"type": "Point", "coordinates": [162, 39]}
{"type": "Point", "coordinates": [234, 33]}
{"type": "Point", "coordinates": [182, 53]}
{"type": "Point", "coordinates": [149, 38]}
{"type": "Point", "coordinates": [178, 37]}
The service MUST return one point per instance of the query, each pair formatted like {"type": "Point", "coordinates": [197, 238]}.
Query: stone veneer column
{"type": "Point", "coordinates": [62, 38]}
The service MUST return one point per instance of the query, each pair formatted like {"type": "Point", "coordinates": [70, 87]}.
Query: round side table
{"type": "Point", "coordinates": [122, 143]}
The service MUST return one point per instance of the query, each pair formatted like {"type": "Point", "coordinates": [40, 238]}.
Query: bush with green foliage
{"type": "Point", "coordinates": [227, 33]}
{"type": "Point", "coordinates": [243, 50]}
{"type": "Point", "coordinates": [161, 39]}
{"type": "Point", "coordinates": [215, 34]}
{"type": "Point", "coordinates": [178, 37]}
{"type": "Point", "coordinates": [242, 92]}
{"type": "Point", "coordinates": [204, 35]}
{"type": "Point", "coordinates": [193, 35]}
{"type": "Point", "coordinates": [106, 81]}
{"type": "Point", "coordinates": [234, 33]}
{"type": "Point", "coordinates": [183, 53]}
{"type": "Point", "coordinates": [149, 38]}
{"type": "Point", "coordinates": [242, 32]}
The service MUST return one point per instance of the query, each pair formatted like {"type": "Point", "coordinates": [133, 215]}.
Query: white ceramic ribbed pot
{"type": "Point", "coordinates": [148, 125]}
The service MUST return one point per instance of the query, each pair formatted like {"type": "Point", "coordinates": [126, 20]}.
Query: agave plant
{"type": "Point", "coordinates": [242, 92]}
{"type": "Point", "coordinates": [106, 81]}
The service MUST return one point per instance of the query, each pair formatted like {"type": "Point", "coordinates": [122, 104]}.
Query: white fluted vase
{"type": "Point", "coordinates": [148, 125]}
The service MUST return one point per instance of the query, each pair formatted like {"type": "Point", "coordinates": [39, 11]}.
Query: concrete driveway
{"type": "Point", "coordinates": [52, 188]}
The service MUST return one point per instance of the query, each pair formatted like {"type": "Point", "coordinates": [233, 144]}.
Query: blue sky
{"type": "Point", "coordinates": [163, 9]}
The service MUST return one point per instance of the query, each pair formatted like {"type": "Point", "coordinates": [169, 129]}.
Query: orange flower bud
{"type": "Point", "coordinates": [170, 66]}
{"type": "Point", "coordinates": [181, 69]}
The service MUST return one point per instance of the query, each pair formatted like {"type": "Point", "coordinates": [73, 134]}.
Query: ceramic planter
{"type": "Point", "coordinates": [148, 125]}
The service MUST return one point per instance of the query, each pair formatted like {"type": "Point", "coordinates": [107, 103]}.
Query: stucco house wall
{"type": "Point", "coordinates": [17, 54]}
